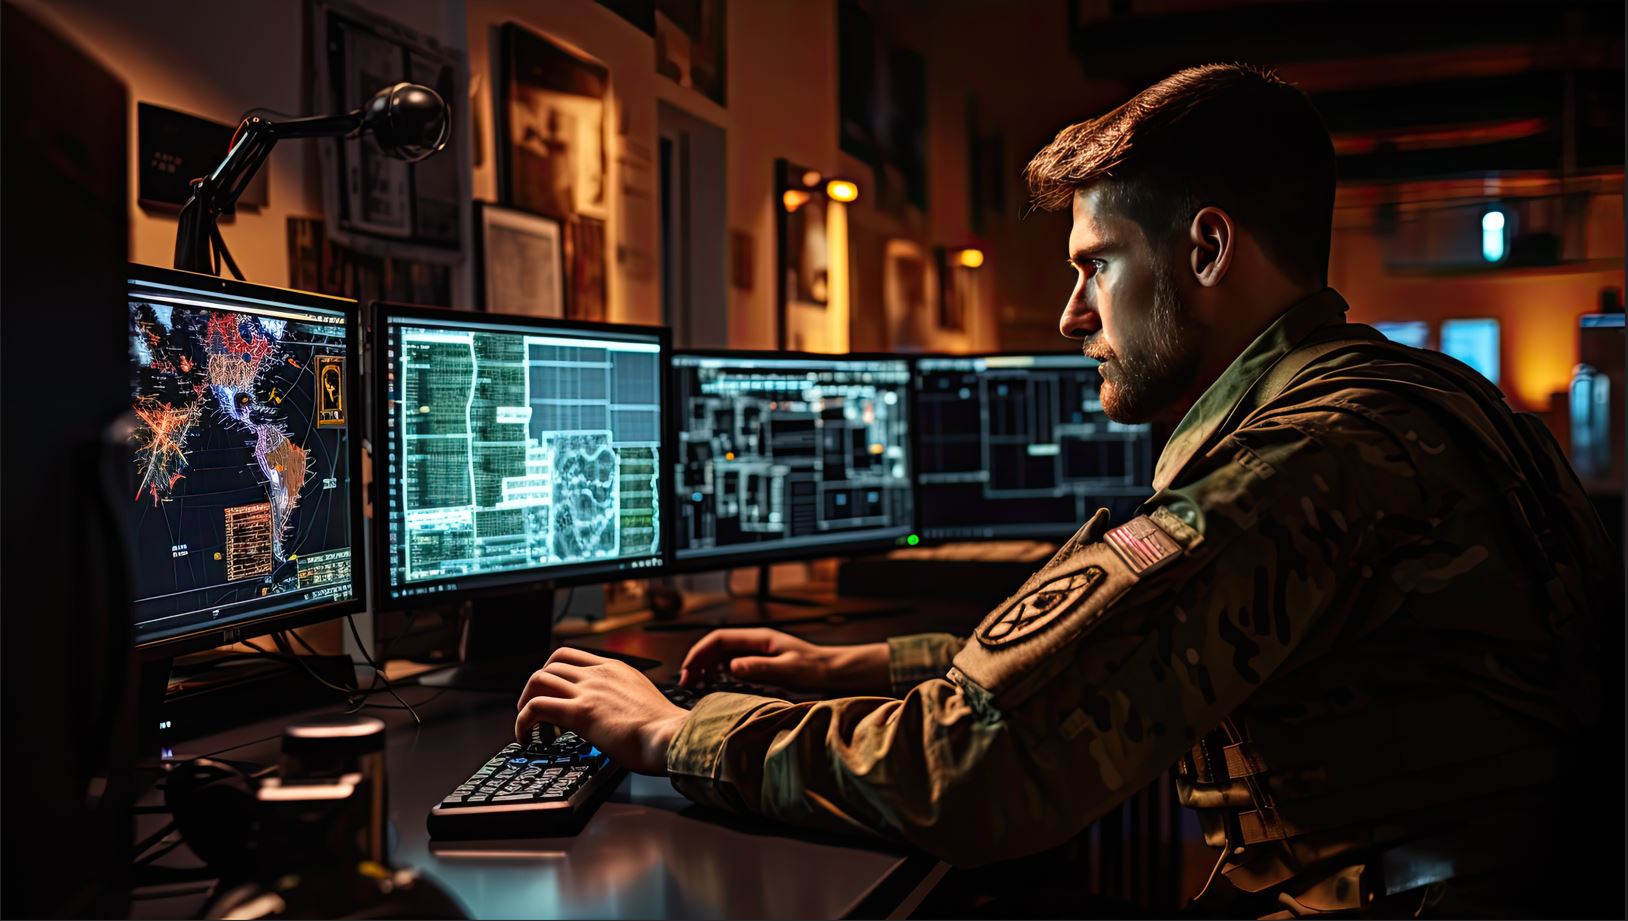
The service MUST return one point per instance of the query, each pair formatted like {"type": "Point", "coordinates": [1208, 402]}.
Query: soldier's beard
{"type": "Point", "coordinates": [1153, 366]}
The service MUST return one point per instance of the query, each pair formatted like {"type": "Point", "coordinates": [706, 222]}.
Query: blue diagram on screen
{"type": "Point", "coordinates": [515, 450]}
{"type": "Point", "coordinates": [780, 453]}
{"type": "Point", "coordinates": [1018, 446]}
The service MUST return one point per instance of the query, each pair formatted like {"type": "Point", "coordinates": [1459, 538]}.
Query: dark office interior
{"type": "Point", "coordinates": [623, 459]}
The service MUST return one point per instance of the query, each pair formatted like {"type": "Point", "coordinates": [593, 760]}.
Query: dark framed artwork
{"type": "Point", "coordinates": [174, 148]}
{"type": "Point", "coordinates": [412, 209]}
{"type": "Point", "coordinates": [692, 45]}
{"type": "Point", "coordinates": [904, 294]}
{"type": "Point", "coordinates": [882, 105]}
{"type": "Point", "coordinates": [641, 13]}
{"type": "Point", "coordinates": [587, 255]}
{"type": "Point", "coordinates": [319, 263]}
{"type": "Point", "coordinates": [742, 261]}
{"type": "Point", "coordinates": [986, 169]}
{"type": "Point", "coordinates": [802, 245]}
{"type": "Point", "coordinates": [522, 261]}
{"type": "Point", "coordinates": [550, 128]}
{"type": "Point", "coordinates": [958, 292]}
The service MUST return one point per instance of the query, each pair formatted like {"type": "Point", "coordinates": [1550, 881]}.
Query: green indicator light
{"type": "Point", "coordinates": [912, 540]}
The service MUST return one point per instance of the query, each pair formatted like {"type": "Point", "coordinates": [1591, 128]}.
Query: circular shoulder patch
{"type": "Point", "coordinates": [1035, 611]}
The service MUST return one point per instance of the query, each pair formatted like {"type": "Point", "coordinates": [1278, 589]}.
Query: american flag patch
{"type": "Point", "coordinates": [1142, 544]}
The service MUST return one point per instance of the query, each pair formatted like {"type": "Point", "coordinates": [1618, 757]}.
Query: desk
{"type": "Point", "coordinates": [647, 852]}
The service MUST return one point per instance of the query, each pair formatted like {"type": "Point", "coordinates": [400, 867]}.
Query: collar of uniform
{"type": "Point", "coordinates": [1203, 422]}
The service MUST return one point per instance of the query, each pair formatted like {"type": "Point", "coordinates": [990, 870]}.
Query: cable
{"type": "Point", "coordinates": [288, 653]}
{"type": "Point", "coordinates": [149, 858]}
{"type": "Point", "coordinates": [356, 699]}
{"type": "Point", "coordinates": [153, 839]}
{"type": "Point", "coordinates": [377, 671]}
{"type": "Point", "coordinates": [570, 596]}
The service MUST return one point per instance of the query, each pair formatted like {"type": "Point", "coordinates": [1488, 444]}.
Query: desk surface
{"type": "Point", "coordinates": [647, 852]}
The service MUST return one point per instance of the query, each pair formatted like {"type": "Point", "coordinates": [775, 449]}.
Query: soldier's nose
{"type": "Point", "coordinates": [1078, 324]}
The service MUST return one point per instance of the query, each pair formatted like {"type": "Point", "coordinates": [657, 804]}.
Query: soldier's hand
{"type": "Point", "coordinates": [607, 702]}
{"type": "Point", "coordinates": [765, 656]}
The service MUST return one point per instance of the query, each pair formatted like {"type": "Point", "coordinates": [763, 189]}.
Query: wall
{"type": "Point", "coordinates": [782, 104]}
{"type": "Point", "coordinates": [218, 60]}
{"type": "Point", "coordinates": [1537, 309]}
{"type": "Point", "coordinates": [632, 227]}
{"type": "Point", "coordinates": [1027, 85]}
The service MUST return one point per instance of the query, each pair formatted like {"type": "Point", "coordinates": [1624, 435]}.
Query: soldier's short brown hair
{"type": "Point", "coordinates": [1231, 135]}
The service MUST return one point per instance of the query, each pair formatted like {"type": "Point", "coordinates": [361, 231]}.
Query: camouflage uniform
{"type": "Point", "coordinates": [1348, 615]}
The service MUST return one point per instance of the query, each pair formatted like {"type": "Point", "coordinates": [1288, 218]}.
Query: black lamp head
{"type": "Point", "coordinates": [409, 121]}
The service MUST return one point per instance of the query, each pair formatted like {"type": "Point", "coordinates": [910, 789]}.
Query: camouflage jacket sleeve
{"type": "Point", "coordinates": [915, 658]}
{"type": "Point", "coordinates": [1097, 676]}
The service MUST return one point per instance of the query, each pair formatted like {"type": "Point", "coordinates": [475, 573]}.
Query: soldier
{"type": "Point", "coordinates": [1353, 615]}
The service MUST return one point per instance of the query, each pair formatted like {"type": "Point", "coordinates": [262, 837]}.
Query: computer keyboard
{"type": "Point", "coordinates": [689, 697]}
{"type": "Point", "coordinates": [545, 788]}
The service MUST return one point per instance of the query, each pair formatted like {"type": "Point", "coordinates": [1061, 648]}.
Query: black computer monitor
{"type": "Point", "coordinates": [1018, 447]}
{"type": "Point", "coordinates": [243, 512]}
{"type": "Point", "coordinates": [785, 456]}
{"type": "Point", "coordinates": [512, 450]}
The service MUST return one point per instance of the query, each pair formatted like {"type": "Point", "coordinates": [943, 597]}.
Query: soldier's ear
{"type": "Point", "coordinates": [1214, 241]}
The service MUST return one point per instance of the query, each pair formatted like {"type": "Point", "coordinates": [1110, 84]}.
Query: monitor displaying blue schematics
{"type": "Point", "coordinates": [1474, 342]}
{"type": "Point", "coordinates": [1018, 447]}
{"type": "Point", "coordinates": [786, 455]}
{"type": "Point", "coordinates": [241, 502]}
{"type": "Point", "coordinates": [515, 449]}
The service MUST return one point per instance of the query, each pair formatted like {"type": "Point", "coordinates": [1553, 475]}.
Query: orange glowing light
{"type": "Point", "coordinates": [794, 199]}
{"type": "Point", "coordinates": [970, 258]}
{"type": "Point", "coordinates": [842, 190]}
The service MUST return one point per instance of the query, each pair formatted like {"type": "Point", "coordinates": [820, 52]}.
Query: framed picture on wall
{"type": "Point", "coordinates": [373, 202]}
{"type": "Point", "coordinates": [882, 106]}
{"type": "Point", "coordinates": [522, 261]}
{"type": "Point", "coordinates": [550, 128]}
{"type": "Point", "coordinates": [173, 147]}
{"type": "Point", "coordinates": [904, 294]}
{"type": "Point", "coordinates": [588, 292]}
{"type": "Point", "coordinates": [958, 291]}
{"type": "Point", "coordinates": [692, 46]}
{"type": "Point", "coordinates": [804, 260]}
{"type": "Point", "coordinates": [317, 262]}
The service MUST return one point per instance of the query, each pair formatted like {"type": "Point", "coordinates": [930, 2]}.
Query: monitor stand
{"type": "Point", "coordinates": [503, 639]}
{"type": "Point", "coordinates": [766, 607]}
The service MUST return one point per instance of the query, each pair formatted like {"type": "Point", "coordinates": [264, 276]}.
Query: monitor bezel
{"type": "Point", "coordinates": [1040, 532]}
{"type": "Point", "coordinates": [753, 554]}
{"type": "Point", "coordinates": [518, 581]}
{"type": "Point", "coordinates": [207, 637]}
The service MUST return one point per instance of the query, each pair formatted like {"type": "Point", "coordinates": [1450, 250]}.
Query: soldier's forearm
{"type": "Point", "coordinates": [858, 668]}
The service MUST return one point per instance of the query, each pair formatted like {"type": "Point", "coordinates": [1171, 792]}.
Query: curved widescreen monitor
{"type": "Point", "coordinates": [1018, 447]}
{"type": "Point", "coordinates": [781, 455]}
{"type": "Point", "coordinates": [513, 449]}
{"type": "Point", "coordinates": [243, 512]}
